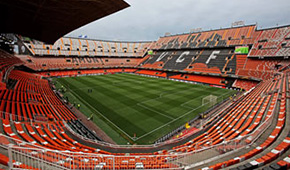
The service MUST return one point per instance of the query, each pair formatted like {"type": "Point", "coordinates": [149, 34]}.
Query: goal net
{"type": "Point", "coordinates": [210, 100]}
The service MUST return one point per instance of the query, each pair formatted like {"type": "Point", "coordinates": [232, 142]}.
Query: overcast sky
{"type": "Point", "coordinates": [150, 19]}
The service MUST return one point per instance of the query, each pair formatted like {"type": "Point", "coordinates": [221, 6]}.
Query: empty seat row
{"type": "Point", "coordinates": [274, 153]}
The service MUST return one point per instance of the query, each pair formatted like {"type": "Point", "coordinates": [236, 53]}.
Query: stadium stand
{"type": "Point", "coordinates": [274, 153]}
{"type": "Point", "coordinates": [6, 64]}
{"type": "Point", "coordinates": [43, 140]}
{"type": "Point", "coordinates": [39, 125]}
{"type": "Point", "coordinates": [62, 73]}
{"type": "Point", "coordinates": [215, 38]}
{"type": "Point", "coordinates": [86, 47]}
{"type": "Point", "coordinates": [273, 42]}
{"type": "Point", "coordinates": [36, 97]}
{"type": "Point", "coordinates": [230, 126]}
{"type": "Point", "coordinates": [211, 61]}
{"type": "Point", "coordinates": [41, 64]}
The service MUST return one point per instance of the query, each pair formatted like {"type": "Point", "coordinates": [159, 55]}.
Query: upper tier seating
{"type": "Point", "coordinates": [216, 38]}
{"type": "Point", "coordinates": [274, 42]}
{"type": "Point", "coordinates": [86, 47]}
{"type": "Point", "coordinates": [210, 61]}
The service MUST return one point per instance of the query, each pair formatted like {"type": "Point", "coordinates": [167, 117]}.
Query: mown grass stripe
{"type": "Point", "coordinates": [118, 97]}
{"type": "Point", "coordinates": [121, 120]}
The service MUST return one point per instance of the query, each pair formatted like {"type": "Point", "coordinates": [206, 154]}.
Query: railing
{"type": "Point", "coordinates": [23, 155]}
{"type": "Point", "coordinates": [51, 159]}
{"type": "Point", "coordinates": [16, 118]}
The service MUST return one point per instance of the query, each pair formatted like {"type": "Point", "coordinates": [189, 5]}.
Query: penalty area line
{"type": "Point", "coordinates": [190, 111]}
{"type": "Point", "coordinates": [141, 105]}
{"type": "Point", "coordinates": [169, 122]}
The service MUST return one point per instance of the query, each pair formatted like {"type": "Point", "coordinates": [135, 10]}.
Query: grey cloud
{"type": "Point", "coordinates": [149, 19]}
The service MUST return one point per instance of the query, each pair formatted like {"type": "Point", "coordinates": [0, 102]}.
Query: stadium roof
{"type": "Point", "coordinates": [48, 20]}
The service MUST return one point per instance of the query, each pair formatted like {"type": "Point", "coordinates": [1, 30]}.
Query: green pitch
{"type": "Point", "coordinates": [137, 109]}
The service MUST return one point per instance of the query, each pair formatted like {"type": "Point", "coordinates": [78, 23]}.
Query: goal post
{"type": "Point", "coordinates": [209, 100]}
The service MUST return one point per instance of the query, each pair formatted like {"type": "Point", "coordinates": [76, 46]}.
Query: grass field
{"type": "Point", "coordinates": [137, 109]}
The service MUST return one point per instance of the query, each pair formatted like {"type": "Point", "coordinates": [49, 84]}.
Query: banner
{"type": "Point", "coordinates": [242, 50]}
{"type": "Point", "coordinates": [150, 52]}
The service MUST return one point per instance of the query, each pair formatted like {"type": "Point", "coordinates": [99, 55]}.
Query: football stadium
{"type": "Point", "coordinates": [206, 99]}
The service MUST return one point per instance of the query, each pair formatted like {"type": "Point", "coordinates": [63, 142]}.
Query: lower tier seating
{"type": "Point", "coordinates": [82, 130]}
{"type": "Point", "coordinates": [274, 153]}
